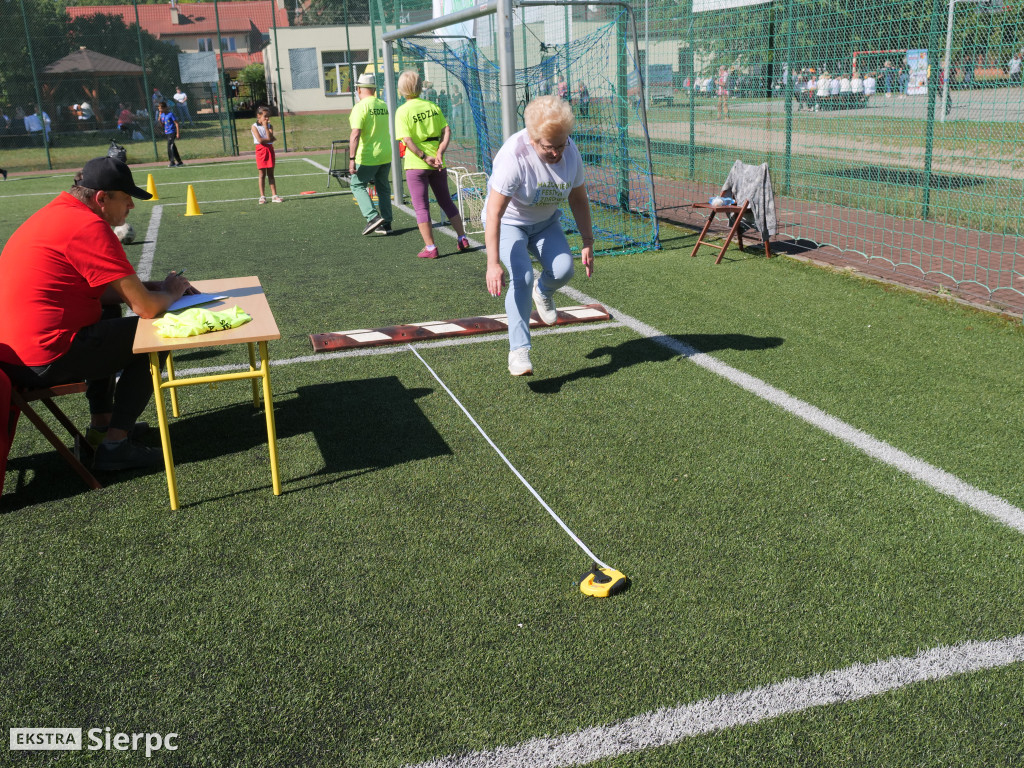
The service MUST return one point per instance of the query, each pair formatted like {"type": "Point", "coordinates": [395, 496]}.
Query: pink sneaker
{"type": "Point", "coordinates": [428, 253]}
{"type": "Point", "coordinates": [463, 243]}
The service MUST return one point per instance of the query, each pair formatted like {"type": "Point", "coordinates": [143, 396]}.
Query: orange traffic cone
{"type": "Point", "coordinates": [151, 188]}
{"type": "Point", "coordinates": [191, 206]}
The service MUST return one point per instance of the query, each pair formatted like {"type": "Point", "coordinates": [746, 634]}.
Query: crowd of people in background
{"type": "Point", "coordinates": [817, 91]}
{"type": "Point", "coordinates": [27, 125]}
{"type": "Point", "coordinates": [30, 122]}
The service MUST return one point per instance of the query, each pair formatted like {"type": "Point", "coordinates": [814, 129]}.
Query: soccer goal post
{"type": "Point", "coordinates": [595, 66]}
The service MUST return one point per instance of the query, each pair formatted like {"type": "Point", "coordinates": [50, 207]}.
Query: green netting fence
{"type": "Point", "coordinates": [873, 150]}
{"type": "Point", "coordinates": [609, 129]}
{"type": "Point", "coordinates": [876, 146]}
{"type": "Point", "coordinates": [73, 78]}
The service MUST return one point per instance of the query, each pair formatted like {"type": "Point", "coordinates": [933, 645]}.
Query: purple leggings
{"type": "Point", "coordinates": [419, 180]}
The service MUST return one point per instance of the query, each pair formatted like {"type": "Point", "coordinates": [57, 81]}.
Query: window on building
{"type": "Point", "coordinates": [227, 43]}
{"type": "Point", "coordinates": [341, 68]}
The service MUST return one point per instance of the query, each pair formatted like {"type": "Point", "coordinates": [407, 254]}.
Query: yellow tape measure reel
{"type": "Point", "coordinates": [603, 582]}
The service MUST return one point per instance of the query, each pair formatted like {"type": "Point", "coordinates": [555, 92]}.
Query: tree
{"type": "Point", "coordinates": [325, 12]}
{"type": "Point", "coordinates": [255, 78]}
{"type": "Point", "coordinates": [47, 27]}
{"type": "Point", "coordinates": [108, 34]}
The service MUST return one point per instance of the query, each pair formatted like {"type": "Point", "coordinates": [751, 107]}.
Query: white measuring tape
{"type": "Point", "coordinates": [515, 471]}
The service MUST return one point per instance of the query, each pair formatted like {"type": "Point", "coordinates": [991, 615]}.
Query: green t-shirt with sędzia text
{"type": "Point", "coordinates": [370, 116]}
{"type": "Point", "coordinates": [423, 122]}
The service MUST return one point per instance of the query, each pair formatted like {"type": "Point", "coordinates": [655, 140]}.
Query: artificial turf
{"type": "Point", "coordinates": [406, 597]}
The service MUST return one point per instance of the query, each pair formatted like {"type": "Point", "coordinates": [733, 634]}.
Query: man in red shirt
{"type": "Point", "coordinates": [63, 276]}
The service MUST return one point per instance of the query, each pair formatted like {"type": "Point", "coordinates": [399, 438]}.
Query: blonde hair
{"type": "Point", "coordinates": [547, 115]}
{"type": "Point", "coordinates": [409, 84]}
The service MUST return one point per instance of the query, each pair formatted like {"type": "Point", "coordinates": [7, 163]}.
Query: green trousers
{"type": "Point", "coordinates": [379, 177]}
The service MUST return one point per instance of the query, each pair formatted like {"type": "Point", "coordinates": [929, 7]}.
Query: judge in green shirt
{"type": "Point", "coordinates": [422, 127]}
{"type": "Point", "coordinates": [369, 155]}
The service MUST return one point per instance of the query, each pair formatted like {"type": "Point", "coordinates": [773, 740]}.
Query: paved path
{"type": "Point", "coordinates": [918, 254]}
{"type": "Point", "coordinates": [983, 268]}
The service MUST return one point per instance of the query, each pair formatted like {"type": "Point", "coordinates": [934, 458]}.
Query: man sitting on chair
{"type": "Point", "coordinates": [63, 275]}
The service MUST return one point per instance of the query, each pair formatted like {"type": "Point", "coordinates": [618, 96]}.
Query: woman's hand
{"type": "Point", "coordinates": [587, 256]}
{"type": "Point", "coordinates": [434, 162]}
{"type": "Point", "coordinates": [495, 279]}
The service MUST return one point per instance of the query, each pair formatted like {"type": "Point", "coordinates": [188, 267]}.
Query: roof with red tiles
{"type": "Point", "coordinates": [194, 19]}
{"type": "Point", "coordinates": [234, 61]}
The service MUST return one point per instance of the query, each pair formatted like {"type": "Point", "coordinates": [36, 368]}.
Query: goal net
{"type": "Point", "coordinates": [594, 66]}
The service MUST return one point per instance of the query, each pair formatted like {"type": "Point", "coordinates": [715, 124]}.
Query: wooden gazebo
{"type": "Point", "coordinates": [88, 67]}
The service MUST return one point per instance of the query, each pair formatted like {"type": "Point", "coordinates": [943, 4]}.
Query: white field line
{"type": "Point", "coordinates": [149, 247]}
{"type": "Point", "coordinates": [254, 197]}
{"type": "Point", "coordinates": [938, 479]}
{"type": "Point", "coordinates": [456, 341]}
{"type": "Point", "coordinates": [670, 726]}
{"type": "Point", "coordinates": [185, 183]}
{"type": "Point", "coordinates": [239, 178]}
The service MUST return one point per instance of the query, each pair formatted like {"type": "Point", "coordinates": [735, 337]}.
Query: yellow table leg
{"type": "Point", "coordinates": [252, 367]}
{"type": "Point", "coordinates": [174, 390]}
{"type": "Point", "coordinates": [268, 406]}
{"type": "Point", "coordinates": [165, 438]}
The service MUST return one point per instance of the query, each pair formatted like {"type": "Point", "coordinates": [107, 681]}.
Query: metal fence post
{"type": "Point", "coordinates": [35, 82]}
{"type": "Point", "coordinates": [929, 136]}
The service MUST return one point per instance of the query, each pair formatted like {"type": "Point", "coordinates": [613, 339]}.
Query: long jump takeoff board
{"type": "Point", "coordinates": [439, 329]}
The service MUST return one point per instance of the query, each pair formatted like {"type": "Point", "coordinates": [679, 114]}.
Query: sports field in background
{"type": "Point", "coordinates": [812, 480]}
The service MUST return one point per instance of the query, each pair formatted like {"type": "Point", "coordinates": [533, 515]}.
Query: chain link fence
{"type": "Point", "coordinates": [892, 130]}
{"type": "Point", "coordinates": [74, 79]}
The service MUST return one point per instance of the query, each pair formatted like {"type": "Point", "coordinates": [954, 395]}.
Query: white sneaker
{"type": "Point", "coordinates": [545, 305]}
{"type": "Point", "coordinates": [519, 362]}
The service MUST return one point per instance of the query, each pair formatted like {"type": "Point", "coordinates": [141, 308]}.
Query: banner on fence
{"type": "Point", "coordinates": [444, 7]}
{"type": "Point", "coordinates": [720, 5]}
{"type": "Point", "coordinates": [198, 67]}
{"type": "Point", "coordinates": [917, 64]}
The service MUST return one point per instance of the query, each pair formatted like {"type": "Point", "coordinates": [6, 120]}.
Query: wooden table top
{"type": "Point", "coordinates": [244, 292]}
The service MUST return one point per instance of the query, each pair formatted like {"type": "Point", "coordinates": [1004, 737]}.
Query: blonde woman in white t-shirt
{"type": "Point", "coordinates": [533, 172]}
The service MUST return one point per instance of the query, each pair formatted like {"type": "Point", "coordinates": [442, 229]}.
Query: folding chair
{"type": "Point", "coordinates": [341, 174]}
{"type": "Point", "coordinates": [735, 214]}
{"type": "Point", "coordinates": [751, 184]}
{"type": "Point", "coordinates": [21, 398]}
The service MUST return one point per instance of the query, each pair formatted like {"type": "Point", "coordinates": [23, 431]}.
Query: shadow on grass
{"type": "Point", "coordinates": [358, 426]}
{"type": "Point", "coordinates": [655, 350]}
{"type": "Point", "coordinates": [37, 479]}
{"type": "Point", "coordinates": [795, 247]}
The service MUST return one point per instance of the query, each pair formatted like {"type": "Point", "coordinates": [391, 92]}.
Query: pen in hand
{"type": "Point", "coordinates": [190, 291]}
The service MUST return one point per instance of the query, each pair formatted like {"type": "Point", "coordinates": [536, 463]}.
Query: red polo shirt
{"type": "Point", "coordinates": [53, 271]}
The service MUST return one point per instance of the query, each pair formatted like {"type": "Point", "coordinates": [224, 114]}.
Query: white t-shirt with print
{"type": "Point", "coordinates": [536, 188]}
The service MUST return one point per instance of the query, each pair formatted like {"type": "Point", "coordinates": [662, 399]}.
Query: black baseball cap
{"type": "Point", "coordinates": [110, 175]}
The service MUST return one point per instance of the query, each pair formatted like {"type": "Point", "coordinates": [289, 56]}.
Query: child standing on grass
{"type": "Point", "coordinates": [263, 138]}
{"type": "Point", "coordinates": [172, 133]}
